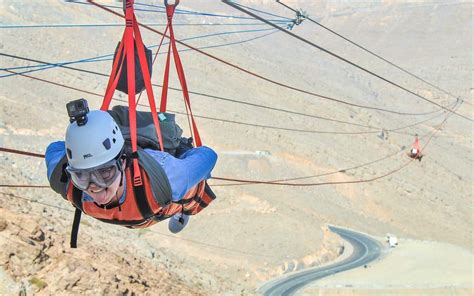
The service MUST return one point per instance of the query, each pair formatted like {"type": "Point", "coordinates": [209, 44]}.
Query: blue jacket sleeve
{"type": "Point", "coordinates": [186, 171]}
{"type": "Point", "coordinates": [54, 153]}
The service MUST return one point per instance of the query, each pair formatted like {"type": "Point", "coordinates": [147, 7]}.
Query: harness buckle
{"type": "Point", "coordinates": [137, 181]}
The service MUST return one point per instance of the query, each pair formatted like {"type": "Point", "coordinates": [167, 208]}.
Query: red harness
{"type": "Point", "coordinates": [416, 145]}
{"type": "Point", "coordinates": [141, 209]}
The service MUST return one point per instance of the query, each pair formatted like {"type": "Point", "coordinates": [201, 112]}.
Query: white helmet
{"type": "Point", "coordinates": [94, 143]}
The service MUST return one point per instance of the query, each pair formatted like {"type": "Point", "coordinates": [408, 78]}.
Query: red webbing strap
{"type": "Point", "coordinates": [416, 145]}
{"type": "Point", "coordinates": [164, 89]}
{"type": "Point", "coordinates": [126, 49]}
{"type": "Point", "coordinates": [132, 109]}
{"type": "Point", "coordinates": [147, 80]}
{"type": "Point", "coordinates": [156, 55]}
{"type": "Point", "coordinates": [184, 87]}
{"type": "Point", "coordinates": [114, 77]}
{"type": "Point", "coordinates": [182, 80]}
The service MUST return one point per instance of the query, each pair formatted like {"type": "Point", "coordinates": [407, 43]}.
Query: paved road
{"type": "Point", "coordinates": [365, 250]}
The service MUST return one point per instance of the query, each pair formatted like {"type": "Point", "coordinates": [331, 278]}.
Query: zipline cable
{"type": "Point", "coordinates": [438, 128]}
{"type": "Point", "coordinates": [103, 57]}
{"type": "Point", "coordinates": [23, 186]}
{"type": "Point", "coordinates": [318, 175]}
{"type": "Point", "coordinates": [264, 182]}
{"type": "Point", "coordinates": [191, 92]}
{"type": "Point", "coordinates": [260, 76]}
{"type": "Point", "coordinates": [237, 6]}
{"type": "Point", "coordinates": [181, 13]}
{"type": "Point", "coordinates": [184, 11]}
{"type": "Point", "coordinates": [369, 51]}
{"type": "Point", "coordinates": [272, 181]}
{"type": "Point", "coordinates": [20, 26]}
{"type": "Point", "coordinates": [292, 184]}
{"type": "Point", "coordinates": [338, 182]}
{"type": "Point", "coordinates": [378, 129]}
{"type": "Point", "coordinates": [3, 149]}
{"type": "Point", "coordinates": [330, 173]}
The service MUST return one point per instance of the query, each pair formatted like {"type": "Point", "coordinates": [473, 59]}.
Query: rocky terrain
{"type": "Point", "coordinates": [251, 233]}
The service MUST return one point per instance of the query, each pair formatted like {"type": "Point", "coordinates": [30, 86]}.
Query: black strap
{"type": "Point", "coordinates": [158, 180]}
{"type": "Point", "coordinates": [77, 198]}
{"type": "Point", "coordinates": [142, 202]}
{"type": "Point", "coordinates": [77, 201]}
{"type": "Point", "coordinates": [75, 228]}
{"type": "Point", "coordinates": [208, 191]}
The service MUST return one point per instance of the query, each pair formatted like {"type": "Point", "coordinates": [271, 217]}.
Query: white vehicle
{"type": "Point", "coordinates": [392, 241]}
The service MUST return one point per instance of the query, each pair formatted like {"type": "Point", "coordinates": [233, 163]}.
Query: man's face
{"type": "Point", "coordinates": [102, 196]}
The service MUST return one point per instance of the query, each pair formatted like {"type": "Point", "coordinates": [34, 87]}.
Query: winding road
{"type": "Point", "coordinates": [365, 250]}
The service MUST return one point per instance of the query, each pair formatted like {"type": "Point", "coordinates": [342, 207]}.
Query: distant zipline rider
{"type": "Point", "coordinates": [415, 151]}
{"type": "Point", "coordinates": [126, 167]}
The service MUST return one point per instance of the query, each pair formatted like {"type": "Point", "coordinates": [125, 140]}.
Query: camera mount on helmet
{"type": "Point", "coordinates": [77, 111]}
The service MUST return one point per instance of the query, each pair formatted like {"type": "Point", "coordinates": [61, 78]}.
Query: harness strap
{"type": "Point", "coordinates": [75, 228]}
{"type": "Point", "coordinates": [158, 180]}
{"type": "Point", "coordinates": [147, 80]}
{"type": "Point", "coordinates": [114, 77]}
{"type": "Point", "coordinates": [130, 54]}
{"type": "Point", "coordinates": [128, 47]}
{"type": "Point", "coordinates": [182, 79]}
{"type": "Point", "coordinates": [416, 144]}
{"type": "Point", "coordinates": [164, 89]}
{"type": "Point", "coordinates": [201, 200]}
{"type": "Point", "coordinates": [77, 201]}
{"type": "Point", "coordinates": [156, 54]}
{"type": "Point", "coordinates": [126, 53]}
{"type": "Point", "coordinates": [142, 201]}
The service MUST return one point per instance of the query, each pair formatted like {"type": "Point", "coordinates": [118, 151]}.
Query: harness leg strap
{"type": "Point", "coordinates": [75, 228]}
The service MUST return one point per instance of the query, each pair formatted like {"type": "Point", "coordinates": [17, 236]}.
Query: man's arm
{"type": "Point", "coordinates": [188, 170]}
{"type": "Point", "coordinates": [56, 162]}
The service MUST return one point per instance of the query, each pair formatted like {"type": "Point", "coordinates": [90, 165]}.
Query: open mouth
{"type": "Point", "coordinates": [98, 190]}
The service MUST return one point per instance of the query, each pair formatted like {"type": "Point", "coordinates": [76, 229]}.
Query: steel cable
{"type": "Point", "coordinates": [238, 7]}
{"type": "Point", "coordinates": [263, 77]}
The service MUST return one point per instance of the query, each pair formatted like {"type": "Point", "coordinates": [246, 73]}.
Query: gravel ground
{"type": "Point", "coordinates": [254, 232]}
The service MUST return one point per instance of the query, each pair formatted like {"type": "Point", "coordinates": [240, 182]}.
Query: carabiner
{"type": "Point", "coordinates": [176, 2]}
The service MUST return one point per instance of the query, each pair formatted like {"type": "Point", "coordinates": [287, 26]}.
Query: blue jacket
{"type": "Point", "coordinates": [183, 173]}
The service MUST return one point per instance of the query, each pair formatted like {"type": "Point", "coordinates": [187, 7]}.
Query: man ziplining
{"type": "Point", "coordinates": [415, 151]}
{"type": "Point", "coordinates": [126, 167]}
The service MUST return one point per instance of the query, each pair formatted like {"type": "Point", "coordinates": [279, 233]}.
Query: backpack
{"type": "Point", "coordinates": [146, 132]}
{"type": "Point", "coordinates": [122, 84]}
